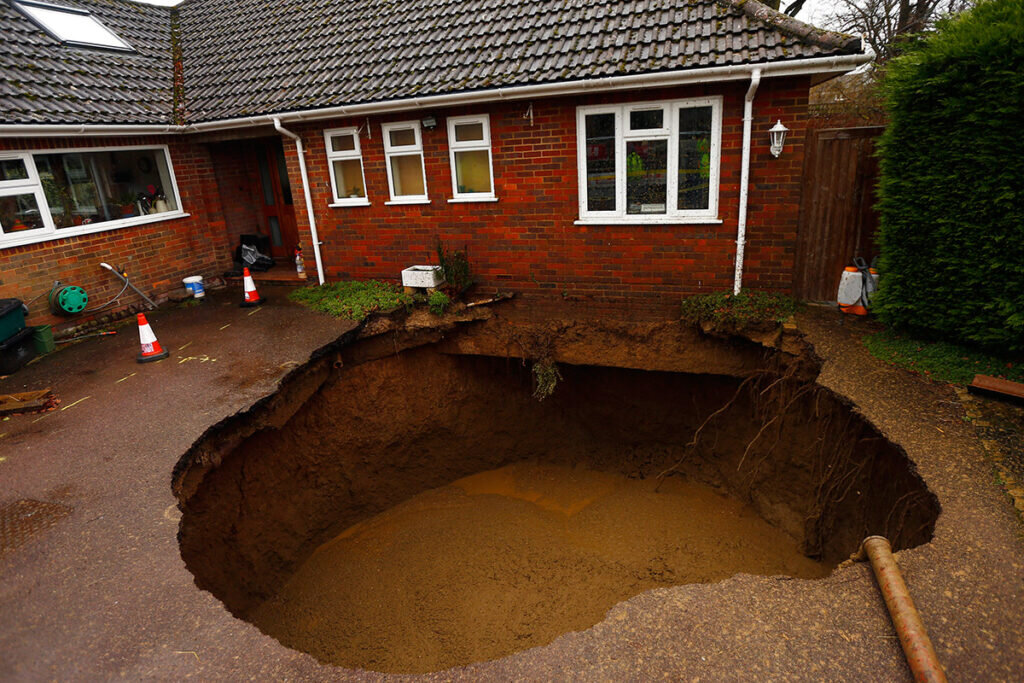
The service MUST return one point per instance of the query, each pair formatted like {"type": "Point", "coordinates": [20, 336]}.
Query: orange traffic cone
{"type": "Point", "coordinates": [251, 297]}
{"type": "Point", "coordinates": [151, 349]}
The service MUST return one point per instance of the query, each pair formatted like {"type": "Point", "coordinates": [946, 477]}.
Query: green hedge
{"type": "Point", "coordinates": [952, 182]}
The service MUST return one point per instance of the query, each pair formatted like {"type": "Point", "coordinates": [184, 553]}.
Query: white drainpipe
{"type": "Point", "coordinates": [741, 225]}
{"type": "Point", "coordinates": [309, 197]}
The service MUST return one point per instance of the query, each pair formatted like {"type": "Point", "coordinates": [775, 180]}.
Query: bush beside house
{"type": "Point", "coordinates": [952, 186]}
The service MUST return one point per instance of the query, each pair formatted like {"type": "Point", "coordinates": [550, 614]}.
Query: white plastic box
{"type": "Point", "coordinates": [422, 276]}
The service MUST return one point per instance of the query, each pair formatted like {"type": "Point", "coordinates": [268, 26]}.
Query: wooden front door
{"type": "Point", "coordinates": [278, 210]}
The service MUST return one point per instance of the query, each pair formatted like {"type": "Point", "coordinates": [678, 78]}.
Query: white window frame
{"type": "Point", "coordinates": [337, 199]}
{"type": "Point", "coordinates": [50, 231]}
{"type": "Point", "coordinates": [669, 132]}
{"type": "Point", "coordinates": [41, 21]}
{"type": "Point", "coordinates": [483, 145]}
{"type": "Point", "coordinates": [404, 150]}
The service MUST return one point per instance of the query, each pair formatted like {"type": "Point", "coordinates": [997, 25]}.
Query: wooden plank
{"type": "Point", "coordinates": [987, 385]}
{"type": "Point", "coordinates": [26, 400]}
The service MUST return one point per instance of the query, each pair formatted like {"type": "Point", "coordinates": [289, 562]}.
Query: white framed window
{"type": "Point", "coordinates": [52, 194]}
{"type": "Point", "coordinates": [72, 26]}
{"type": "Point", "coordinates": [650, 162]}
{"type": "Point", "coordinates": [403, 156]}
{"type": "Point", "coordinates": [22, 204]}
{"type": "Point", "coordinates": [345, 162]}
{"type": "Point", "coordinates": [469, 149]}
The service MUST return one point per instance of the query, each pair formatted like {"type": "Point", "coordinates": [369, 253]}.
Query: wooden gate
{"type": "Point", "coordinates": [837, 216]}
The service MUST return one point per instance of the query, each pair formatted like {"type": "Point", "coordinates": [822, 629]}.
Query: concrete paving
{"type": "Point", "coordinates": [103, 594]}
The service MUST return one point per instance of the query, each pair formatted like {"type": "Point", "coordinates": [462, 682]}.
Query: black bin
{"type": "Point", "coordinates": [17, 351]}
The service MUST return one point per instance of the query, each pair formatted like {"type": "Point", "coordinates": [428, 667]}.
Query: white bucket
{"type": "Point", "coordinates": [194, 286]}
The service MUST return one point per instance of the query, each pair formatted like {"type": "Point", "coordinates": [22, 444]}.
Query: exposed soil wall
{"type": "Point", "coordinates": [386, 419]}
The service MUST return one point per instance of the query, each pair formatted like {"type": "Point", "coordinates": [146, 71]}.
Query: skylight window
{"type": "Point", "coordinates": [72, 26]}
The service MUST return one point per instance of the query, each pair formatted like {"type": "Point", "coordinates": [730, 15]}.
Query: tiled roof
{"type": "Point", "coordinates": [245, 57]}
{"type": "Point", "coordinates": [43, 81]}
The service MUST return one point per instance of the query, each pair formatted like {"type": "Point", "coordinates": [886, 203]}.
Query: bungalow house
{"type": "Point", "coordinates": [600, 149]}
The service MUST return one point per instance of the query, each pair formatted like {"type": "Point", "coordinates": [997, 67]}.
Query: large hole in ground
{"type": "Point", "coordinates": [423, 510]}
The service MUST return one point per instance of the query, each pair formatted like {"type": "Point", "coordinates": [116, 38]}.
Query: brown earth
{"type": "Point", "coordinates": [509, 559]}
{"type": "Point", "coordinates": [351, 436]}
{"type": "Point", "coordinates": [104, 593]}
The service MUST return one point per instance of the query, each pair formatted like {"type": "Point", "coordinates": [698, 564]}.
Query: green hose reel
{"type": "Point", "coordinates": [68, 300]}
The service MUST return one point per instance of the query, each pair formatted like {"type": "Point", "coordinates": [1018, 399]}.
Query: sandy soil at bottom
{"type": "Point", "coordinates": [509, 559]}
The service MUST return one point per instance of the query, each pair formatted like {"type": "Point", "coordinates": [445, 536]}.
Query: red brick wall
{"type": "Point", "coordinates": [528, 242]}
{"type": "Point", "coordinates": [238, 183]}
{"type": "Point", "coordinates": [157, 255]}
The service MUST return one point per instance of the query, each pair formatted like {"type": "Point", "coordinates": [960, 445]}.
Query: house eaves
{"type": "Point", "coordinates": [240, 63]}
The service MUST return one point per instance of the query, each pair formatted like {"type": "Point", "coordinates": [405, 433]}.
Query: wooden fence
{"type": "Point", "coordinates": [837, 217]}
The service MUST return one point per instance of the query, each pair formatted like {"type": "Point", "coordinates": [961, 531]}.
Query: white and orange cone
{"type": "Point", "coordinates": [151, 349]}
{"type": "Point", "coordinates": [251, 297]}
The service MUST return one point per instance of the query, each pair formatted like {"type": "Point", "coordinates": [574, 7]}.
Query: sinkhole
{"type": "Point", "coordinates": [414, 509]}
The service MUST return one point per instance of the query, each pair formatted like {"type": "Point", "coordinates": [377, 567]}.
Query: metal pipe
{"type": "Point", "coordinates": [741, 223]}
{"type": "Point", "coordinates": [309, 197]}
{"type": "Point", "coordinates": [125, 280]}
{"type": "Point", "coordinates": [917, 647]}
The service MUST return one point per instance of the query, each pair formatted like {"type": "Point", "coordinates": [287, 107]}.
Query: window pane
{"type": "Point", "coordinates": [348, 176]}
{"type": "Point", "coordinates": [407, 175]}
{"type": "Point", "coordinates": [275, 231]}
{"type": "Point", "coordinates": [473, 171]}
{"type": "Point", "coordinates": [469, 132]}
{"type": "Point", "coordinates": [265, 182]}
{"type": "Point", "coordinates": [600, 162]}
{"type": "Point", "coordinates": [74, 26]}
{"type": "Point", "coordinates": [402, 136]}
{"type": "Point", "coordinates": [643, 120]}
{"type": "Point", "coordinates": [646, 164]}
{"type": "Point", "coordinates": [13, 169]}
{"type": "Point", "coordinates": [343, 143]}
{"type": "Point", "coordinates": [92, 187]}
{"type": "Point", "coordinates": [694, 158]}
{"type": "Point", "coordinates": [19, 212]}
{"type": "Point", "coordinates": [282, 174]}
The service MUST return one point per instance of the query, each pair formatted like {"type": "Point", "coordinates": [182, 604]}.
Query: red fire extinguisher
{"type": "Point", "coordinates": [300, 267]}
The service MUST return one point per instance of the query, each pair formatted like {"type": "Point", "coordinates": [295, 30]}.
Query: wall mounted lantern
{"type": "Point", "coordinates": [430, 123]}
{"type": "Point", "coordinates": [778, 136]}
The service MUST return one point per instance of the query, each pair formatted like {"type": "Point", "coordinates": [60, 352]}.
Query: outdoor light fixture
{"type": "Point", "coordinates": [778, 136]}
{"type": "Point", "coordinates": [430, 123]}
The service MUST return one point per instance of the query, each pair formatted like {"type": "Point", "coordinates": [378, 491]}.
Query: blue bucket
{"type": "Point", "coordinates": [194, 285]}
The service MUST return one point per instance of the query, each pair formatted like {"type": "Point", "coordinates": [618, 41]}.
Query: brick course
{"type": "Point", "coordinates": [526, 241]}
{"type": "Point", "coordinates": [156, 255]}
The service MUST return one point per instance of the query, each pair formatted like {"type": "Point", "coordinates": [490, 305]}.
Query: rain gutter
{"type": "Point", "coordinates": [309, 197]}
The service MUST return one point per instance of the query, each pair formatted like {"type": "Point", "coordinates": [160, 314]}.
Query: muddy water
{"type": "Point", "coordinates": [509, 559]}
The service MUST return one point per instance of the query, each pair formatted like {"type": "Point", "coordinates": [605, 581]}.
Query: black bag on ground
{"type": "Point", "coordinates": [251, 258]}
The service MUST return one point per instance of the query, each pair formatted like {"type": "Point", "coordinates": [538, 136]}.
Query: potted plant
{"type": "Point", "coordinates": [127, 203]}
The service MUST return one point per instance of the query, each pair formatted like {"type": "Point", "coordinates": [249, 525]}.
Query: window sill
{"type": "Point", "coordinates": [354, 202]}
{"type": "Point", "coordinates": [400, 202]}
{"type": "Point", "coordinates": [469, 200]}
{"type": "Point", "coordinates": [34, 237]}
{"type": "Point", "coordinates": [640, 219]}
